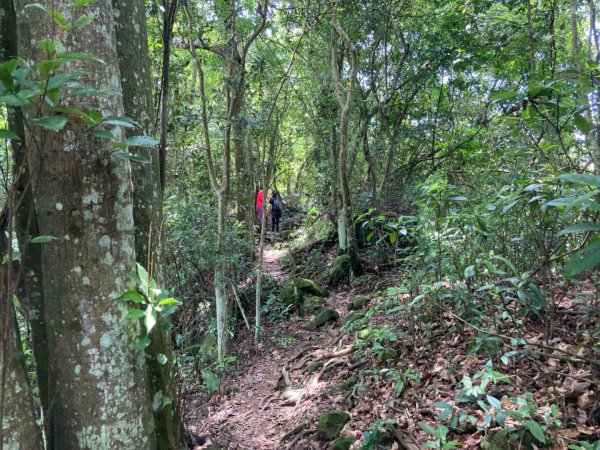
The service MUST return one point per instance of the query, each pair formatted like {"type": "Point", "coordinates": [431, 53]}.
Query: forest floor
{"type": "Point", "coordinates": [408, 380]}
{"type": "Point", "coordinates": [274, 403]}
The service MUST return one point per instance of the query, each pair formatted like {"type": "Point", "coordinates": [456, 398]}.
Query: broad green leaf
{"type": "Point", "coordinates": [143, 274]}
{"type": "Point", "coordinates": [43, 239]}
{"type": "Point", "coordinates": [140, 141]}
{"type": "Point", "coordinates": [584, 260]}
{"type": "Point", "coordinates": [59, 19]}
{"type": "Point", "coordinates": [103, 134]}
{"type": "Point", "coordinates": [211, 380]}
{"type": "Point", "coordinates": [392, 238]}
{"type": "Point", "coordinates": [60, 79]}
{"type": "Point", "coordinates": [7, 134]}
{"type": "Point", "coordinates": [581, 178]}
{"type": "Point", "coordinates": [142, 343]}
{"type": "Point", "coordinates": [428, 429]}
{"type": "Point", "coordinates": [134, 296]}
{"type": "Point", "coordinates": [84, 21]}
{"type": "Point", "coordinates": [136, 314]}
{"type": "Point", "coordinates": [582, 124]}
{"type": "Point", "coordinates": [162, 359]}
{"type": "Point", "coordinates": [536, 430]}
{"type": "Point", "coordinates": [121, 122]}
{"type": "Point", "coordinates": [469, 272]}
{"type": "Point", "coordinates": [47, 46]}
{"type": "Point", "coordinates": [150, 318]}
{"type": "Point", "coordinates": [14, 100]}
{"type": "Point", "coordinates": [580, 228]}
{"type": "Point", "coordinates": [55, 123]}
{"type": "Point", "coordinates": [446, 408]}
{"type": "Point", "coordinates": [494, 402]}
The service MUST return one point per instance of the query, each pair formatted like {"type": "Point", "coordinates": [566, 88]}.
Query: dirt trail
{"type": "Point", "coordinates": [275, 399]}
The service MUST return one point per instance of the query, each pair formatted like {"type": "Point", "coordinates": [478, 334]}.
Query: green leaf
{"type": "Point", "coordinates": [162, 359]}
{"type": "Point", "coordinates": [43, 239]}
{"type": "Point", "coordinates": [59, 19]}
{"type": "Point", "coordinates": [136, 314]}
{"type": "Point", "coordinates": [132, 157]}
{"type": "Point", "coordinates": [392, 238]}
{"type": "Point", "coordinates": [536, 430]}
{"type": "Point", "coordinates": [14, 100]}
{"type": "Point", "coordinates": [150, 318]}
{"type": "Point", "coordinates": [55, 123]}
{"type": "Point", "coordinates": [584, 260]}
{"type": "Point", "coordinates": [80, 3]}
{"type": "Point", "coordinates": [7, 134]}
{"type": "Point", "coordinates": [494, 402]}
{"type": "Point", "coordinates": [121, 122]}
{"type": "Point", "coordinates": [84, 21]}
{"type": "Point", "coordinates": [140, 141]}
{"type": "Point", "coordinates": [168, 301]}
{"type": "Point", "coordinates": [582, 124]}
{"type": "Point", "coordinates": [446, 408]}
{"type": "Point", "coordinates": [47, 46]}
{"type": "Point", "coordinates": [143, 274]}
{"type": "Point", "coordinates": [103, 134]}
{"type": "Point", "coordinates": [142, 343]}
{"type": "Point", "coordinates": [469, 272]}
{"type": "Point", "coordinates": [134, 296]}
{"type": "Point", "coordinates": [581, 178]}
{"type": "Point", "coordinates": [211, 380]}
{"type": "Point", "coordinates": [580, 228]}
{"type": "Point", "coordinates": [60, 79]}
{"type": "Point", "coordinates": [428, 429]}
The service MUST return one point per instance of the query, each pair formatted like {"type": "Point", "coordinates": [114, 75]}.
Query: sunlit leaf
{"type": "Point", "coordinates": [55, 123]}
{"type": "Point", "coordinates": [43, 239]}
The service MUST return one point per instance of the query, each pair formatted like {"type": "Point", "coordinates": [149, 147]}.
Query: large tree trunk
{"type": "Point", "coordinates": [83, 195]}
{"type": "Point", "coordinates": [136, 82]}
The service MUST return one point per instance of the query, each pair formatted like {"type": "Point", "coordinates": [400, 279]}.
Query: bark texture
{"type": "Point", "coordinates": [83, 195]}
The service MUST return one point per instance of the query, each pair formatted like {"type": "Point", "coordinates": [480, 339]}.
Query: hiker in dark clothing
{"type": "Point", "coordinates": [275, 203]}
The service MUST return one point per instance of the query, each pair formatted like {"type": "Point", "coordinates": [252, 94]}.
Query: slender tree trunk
{"type": "Point", "coordinates": [346, 234]}
{"type": "Point", "coordinates": [83, 196]}
{"type": "Point", "coordinates": [30, 291]}
{"type": "Point", "coordinates": [130, 20]}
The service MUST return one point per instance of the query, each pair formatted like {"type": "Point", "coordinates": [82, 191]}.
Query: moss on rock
{"type": "Point", "coordinates": [358, 302]}
{"type": "Point", "coordinates": [339, 270]}
{"type": "Point", "coordinates": [343, 443]}
{"type": "Point", "coordinates": [325, 316]}
{"type": "Point", "coordinates": [296, 289]}
{"type": "Point", "coordinates": [330, 424]}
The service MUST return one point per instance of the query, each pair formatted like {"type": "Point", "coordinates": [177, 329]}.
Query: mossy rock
{"type": "Point", "coordinates": [295, 290]}
{"type": "Point", "coordinates": [339, 270]}
{"type": "Point", "coordinates": [358, 302]}
{"type": "Point", "coordinates": [354, 317]}
{"type": "Point", "coordinates": [349, 382]}
{"type": "Point", "coordinates": [314, 304]}
{"type": "Point", "coordinates": [343, 443]}
{"type": "Point", "coordinates": [321, 230]}
{"type": "Point", "coordinates": [330, 424]}
{"type": "Point", "coordinates": [325, 316]}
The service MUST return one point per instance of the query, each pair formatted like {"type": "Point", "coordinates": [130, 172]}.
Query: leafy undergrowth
{"type": "Point", "coordinates": [419, 366]}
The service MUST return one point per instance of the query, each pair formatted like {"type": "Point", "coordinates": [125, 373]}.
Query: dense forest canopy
{"type": "Point", "coordinates": [441, 156]}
